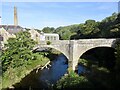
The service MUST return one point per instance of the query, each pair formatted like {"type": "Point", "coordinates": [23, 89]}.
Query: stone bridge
{"type": "Point", "coordinates": [73, 49]}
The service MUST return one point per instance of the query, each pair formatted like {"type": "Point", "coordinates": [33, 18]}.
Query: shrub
{"type": "Point", "coordinates": [48, 42]}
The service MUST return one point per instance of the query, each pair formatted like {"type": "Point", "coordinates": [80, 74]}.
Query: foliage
{"type": "Point", "coordinates": [85, 62]}
{"type": "Point", "coordinates": [107, 28]}
{"type": "Point", "coordinates": [73, 80]}
{"type": "Point", "coordinates": [48, 42]}
{"type": "Point", "coordinates": [107, 25]}
{"type": "Point", "coordinates": [48, 30]}
{"type": "Point", "coordinates": [18, 58]}
{"type": "Point", "coordinates": [117, 66]}
{"type": "Point", "coordinates": [65, 32]}
{"type": "Point", "coordinates": [18, 51]}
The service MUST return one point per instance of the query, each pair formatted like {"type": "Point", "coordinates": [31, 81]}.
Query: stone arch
{"type": "Point", "coordinates": [96, 47]}
{"type": "Point", "coordinates": [92, 47]}
{"type": "Point", "coordinates": [104, 58]}
{"type": "Point", "coordinates": [56, 48]}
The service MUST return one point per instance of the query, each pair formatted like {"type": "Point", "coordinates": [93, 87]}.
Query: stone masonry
{"type": "Point", "coordinates": [73, 49]}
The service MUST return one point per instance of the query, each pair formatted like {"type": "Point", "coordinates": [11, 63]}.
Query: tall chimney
{"type": "Point", "coordinates": [15, 17]}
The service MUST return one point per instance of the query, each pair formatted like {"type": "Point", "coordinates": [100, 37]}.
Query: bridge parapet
{"type": "Point", "coordinates": [92, 41]}
{"type": "Point", "coordinates": [80, 41]}
{"type": "Point", "coordinates": [54, 42]}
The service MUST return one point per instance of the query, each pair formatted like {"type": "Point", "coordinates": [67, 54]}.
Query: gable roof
{"type": "Point", "coordinates": [12, 29]}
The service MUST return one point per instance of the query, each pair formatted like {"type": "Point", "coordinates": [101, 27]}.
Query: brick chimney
{"type": "Point", "coordinates": [15, 17]}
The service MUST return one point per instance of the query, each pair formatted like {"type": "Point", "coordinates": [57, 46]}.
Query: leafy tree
{"type": "Point", "coordinates": [117, 66]}
{"type": "Point", "coordinates": [18, 52]}
{"type": "Point", "coordinates": [107, 24]}
{"type": "Point", "coordinates": [73, 81]}
{"type": "Point", "coordinates": [48, 30]}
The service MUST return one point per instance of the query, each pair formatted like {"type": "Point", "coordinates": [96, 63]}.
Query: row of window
{"type": "Point", "coordinates": [51, 38]}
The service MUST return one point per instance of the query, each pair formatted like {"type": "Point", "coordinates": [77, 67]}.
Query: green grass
{"type": "Point", "coordinates": [12, 76]}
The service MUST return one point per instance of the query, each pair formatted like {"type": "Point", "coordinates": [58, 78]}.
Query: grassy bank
{"type": "Point", "coordinates": [0, 75]}
{"type": "Point", "coordinates": [12, 76]}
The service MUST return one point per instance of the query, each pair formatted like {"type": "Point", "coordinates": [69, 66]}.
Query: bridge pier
{"type": "Point", "coordinates": [73, 55]}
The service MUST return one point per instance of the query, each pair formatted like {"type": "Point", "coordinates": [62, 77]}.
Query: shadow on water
{"type": "Point", "coordinates": [46, 77]}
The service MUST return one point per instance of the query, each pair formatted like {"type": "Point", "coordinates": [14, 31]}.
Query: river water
{"type": "Point", "coordinates": [48, 76]}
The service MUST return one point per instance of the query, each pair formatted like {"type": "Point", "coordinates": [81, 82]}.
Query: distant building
{"type": "Point", "coordinates": [42, 36]}
{"type": "Point", "coordinates": [6, 35]}
{"type": "Point", "coordinates": [8, 31]}
{"type": "Point", "coordinates": [1, 40]}
{"type": "Point", "coordinates": [49, 36]}
{"type": "Point", "coordinates": [12, 29]}
{"type": "Point", "coordinates": [34, 35]}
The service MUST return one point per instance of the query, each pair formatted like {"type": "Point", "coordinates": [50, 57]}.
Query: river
{"type": "Point", "coordinates": [48, 76]}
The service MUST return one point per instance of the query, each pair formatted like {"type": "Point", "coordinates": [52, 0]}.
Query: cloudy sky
{"type": "Point", "coordinates": [55, 14]}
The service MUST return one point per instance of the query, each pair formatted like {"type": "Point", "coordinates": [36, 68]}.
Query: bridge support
{"type": "Point", "coordinates": [73, 55]}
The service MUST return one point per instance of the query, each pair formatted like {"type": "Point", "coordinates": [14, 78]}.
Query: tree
{"type": "Point", "coordinates": [117, 67]}
{"type": "Point", "coordinates": [18, 51]}
{"type": "Point", "coordinates": [73, 81]}
{"type": "Point", "coordinates": [48, 30]}
{"type": "Point", "coordinates": [107, 24]}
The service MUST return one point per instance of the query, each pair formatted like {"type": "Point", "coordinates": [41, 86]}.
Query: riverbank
{"type": "Point", "coordinates": [43, 79]}
{"type": "Point", "coordinates": [13, 76]}
{"type": "Point", "coordinates": [0, 76]}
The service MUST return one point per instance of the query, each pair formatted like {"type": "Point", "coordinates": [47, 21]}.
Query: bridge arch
{"type": "Point", "coordinates": [101, 56]}
{"type": "Point", "coordinates": [54, 47]}
{"type": "Point", "coordinates": [96, 46]}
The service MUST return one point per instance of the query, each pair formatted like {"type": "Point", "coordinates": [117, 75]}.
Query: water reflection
{"type": "Point", "coordinates": [58, 69]}
{"type": "Point", "coordinates": [48, 76]}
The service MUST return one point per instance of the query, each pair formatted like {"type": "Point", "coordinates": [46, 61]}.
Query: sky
{"type": "Point", "coordinates": [54, 14]}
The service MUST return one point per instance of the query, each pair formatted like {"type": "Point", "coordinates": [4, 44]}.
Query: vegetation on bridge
{"type": "Point", "coordinates": [18, 60]}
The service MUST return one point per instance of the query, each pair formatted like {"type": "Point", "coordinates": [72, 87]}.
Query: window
{"type": "Point", "coordinates": [54, 38]}
{"type": "Point", "coordinates": [47, 37]}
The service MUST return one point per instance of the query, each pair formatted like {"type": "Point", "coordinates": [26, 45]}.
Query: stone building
{"type": "Point", "coordinates": [6, 35]}
{"type": "Point", "coordinates": [34, 34]}
{"type": "Point", "coordinates": [49, 36]}
{"type": "Point", "coordinates": [12, 29]}
{"type": "Point", "coordinates": [1, 40]}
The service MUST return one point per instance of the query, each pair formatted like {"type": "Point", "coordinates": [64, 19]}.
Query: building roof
{"type": "Point", "coordinates": [12, 29]}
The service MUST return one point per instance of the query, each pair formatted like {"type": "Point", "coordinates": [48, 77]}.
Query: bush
{"type": "Point", "coordinates": [48, 42]}
{"type": "Point", "coordinates": [73, 80]}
